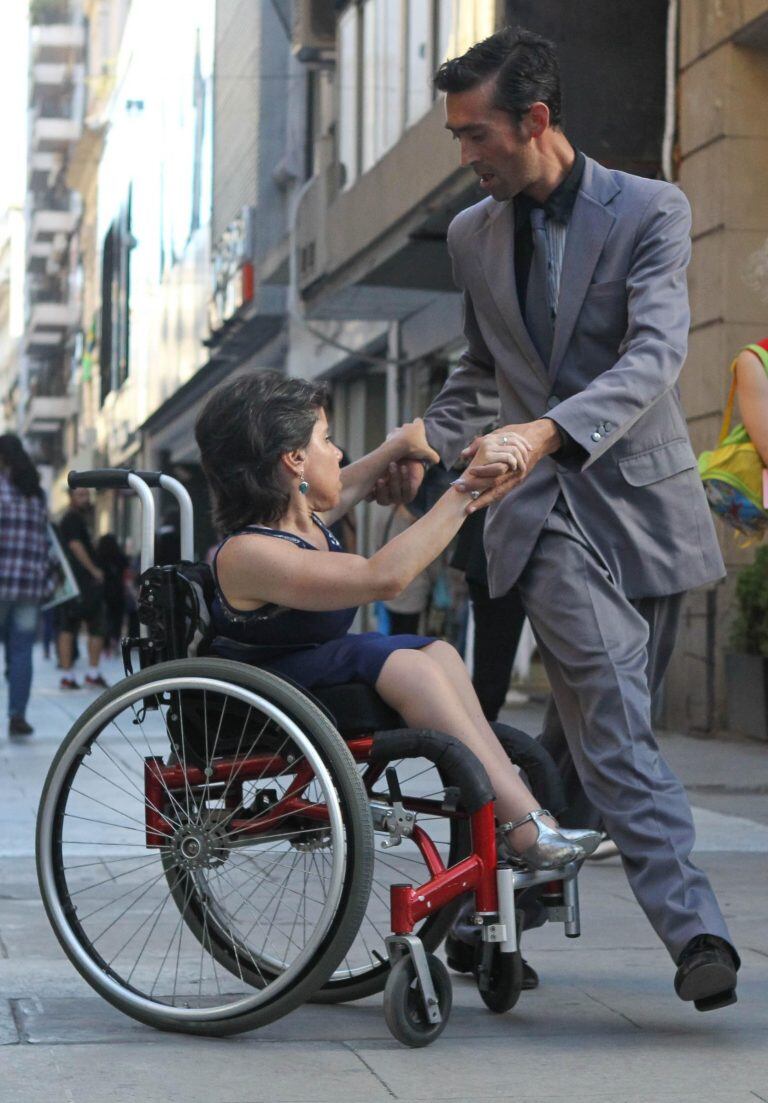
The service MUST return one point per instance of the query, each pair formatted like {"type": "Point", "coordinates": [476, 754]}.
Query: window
{"type": "Point", "coordinates": [419, 67]}
{"type": "Point", "coordinates": [349, 92]}
{"type": "Point", "coordinates": [388, 51]}
{"type": "Point", "coordinates": [114, 345]}
{"type": "Point", "coordinates": [382, 78]}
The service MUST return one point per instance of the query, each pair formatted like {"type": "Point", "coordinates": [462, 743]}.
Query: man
{"type": "Point", "coordinates": [576, 317]}
{"type": "Point", "coordinates": [89, 606]}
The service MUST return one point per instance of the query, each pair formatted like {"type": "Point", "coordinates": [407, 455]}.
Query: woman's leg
{"type": "Point", "coordinates": [21, 636]}
{"type": "Point", "coordinates": [453, 666]}
{"type": "Point", "coordinates": [422, 690]}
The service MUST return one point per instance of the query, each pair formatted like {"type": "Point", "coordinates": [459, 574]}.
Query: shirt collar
{"type": "Point", "coordinates": [559, 204]}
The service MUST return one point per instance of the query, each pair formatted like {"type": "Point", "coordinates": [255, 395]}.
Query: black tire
{"type": "Point", "coordinates": [316, 743]}
{"type": "Point", "coordinates": [504, 982]}
{"type": "Point", "coordinates": [403, 1006]}
{"type": "Point", "coordinates": [341, 988]}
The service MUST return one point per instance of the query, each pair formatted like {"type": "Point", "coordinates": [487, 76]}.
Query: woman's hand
{"type": "Point", "coordinates": [410, 442]}
{"type": "Point", "coordinates": [500, 453]}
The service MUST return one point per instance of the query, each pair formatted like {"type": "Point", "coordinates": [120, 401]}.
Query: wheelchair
{"type": "Point", "coordinates": [216, 846]}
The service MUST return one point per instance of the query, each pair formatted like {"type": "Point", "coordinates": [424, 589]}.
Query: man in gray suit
{"type": "Point", "coordinates": [576, 317]}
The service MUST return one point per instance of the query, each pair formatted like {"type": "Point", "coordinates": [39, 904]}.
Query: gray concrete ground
{"type": "Point", "coordinates": [604, 1026]}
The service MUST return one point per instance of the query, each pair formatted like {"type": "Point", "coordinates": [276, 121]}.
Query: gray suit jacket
{"type": "Point", "coordinates": [620, 341]}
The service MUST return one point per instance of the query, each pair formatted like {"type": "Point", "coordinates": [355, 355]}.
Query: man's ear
{"type": "Point", "coordinates": [537, 119]}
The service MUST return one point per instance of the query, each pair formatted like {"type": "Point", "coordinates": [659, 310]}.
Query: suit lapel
{"type": "Point", "coordinates": [588, 228]}
{"type": "Point", "coordinates": [496, 251]}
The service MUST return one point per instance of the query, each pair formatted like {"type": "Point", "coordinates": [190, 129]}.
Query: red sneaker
{"type": "Point", "coordinates": [98, 682]}
{"type": "Point", "coordinates": [68, 683]}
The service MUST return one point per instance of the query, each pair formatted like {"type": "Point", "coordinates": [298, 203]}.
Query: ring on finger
{"type": "Point", "coordinates": [474, 495]}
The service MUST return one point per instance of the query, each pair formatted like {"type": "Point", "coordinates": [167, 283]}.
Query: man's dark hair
{"type": "Point", "coordinates": [242, 431]}
{"type": "Point", "coordinates": [524, 64]}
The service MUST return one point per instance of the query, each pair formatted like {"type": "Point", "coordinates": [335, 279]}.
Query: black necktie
{"type": "Point", "coordinates": [538, 315]}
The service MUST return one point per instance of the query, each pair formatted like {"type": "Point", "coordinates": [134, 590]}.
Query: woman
{"type": "Point", "coordinates": [752, 389]}
{"type": "Point", "coordinates": [751, 372]}
{"type": "Point", "coordinates": [285, 587]}
{"type": "Point", "coordinates": [25, 566]}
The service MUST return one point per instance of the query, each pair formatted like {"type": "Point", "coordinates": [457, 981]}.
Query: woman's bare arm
{"type": "Point", "coordinates": [254, 569]}
{"type": "Point", "coordinates": [752, 389]}
{"type": "Point", "coordinates": [359, 478]}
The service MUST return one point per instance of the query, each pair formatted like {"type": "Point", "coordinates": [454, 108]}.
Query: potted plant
{"type": "Point", "coordinates": [746, 664]}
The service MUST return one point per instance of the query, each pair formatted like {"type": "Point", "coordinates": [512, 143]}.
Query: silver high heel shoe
{"type": "Point", "coordinates": [588, 840]}
{"type": "Point", "coordinates": [551, 849]}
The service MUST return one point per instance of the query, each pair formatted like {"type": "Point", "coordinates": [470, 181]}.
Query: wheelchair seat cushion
{"type": "Point", "coordinates": [357, 709]}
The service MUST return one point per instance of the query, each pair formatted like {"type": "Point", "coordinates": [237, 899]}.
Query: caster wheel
{"type": "Point", "coordinates": [403, 1006]}
{"type": "Point", "coordinates": [504, 980]}
{"type": "Point", "coordinates": [499, 976]}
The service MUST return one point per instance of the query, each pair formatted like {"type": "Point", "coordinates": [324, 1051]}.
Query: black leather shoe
{"type": "Point", "coordinates": [706, 973]}
{"type": "Point", "coordinates": [530, 977]}
{"type": "Point", "coordinates": [461, 958]}
{"type": "Point", "coordinates": [459, 955]}
{"type": "Point", "coordinates": [17, 725]}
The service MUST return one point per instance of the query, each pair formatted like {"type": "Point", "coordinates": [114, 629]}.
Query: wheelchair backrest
{"type": "Point", "coordinates": [175, 605]}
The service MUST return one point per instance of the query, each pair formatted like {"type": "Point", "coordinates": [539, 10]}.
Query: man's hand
{"type": "Point", "coordinates": [484, 474]}
{"type": "Point", "coordinates": [399, 485]}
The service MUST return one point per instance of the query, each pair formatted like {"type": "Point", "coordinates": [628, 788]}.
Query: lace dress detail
{"type": "Point", "coordinates": [311, 648]}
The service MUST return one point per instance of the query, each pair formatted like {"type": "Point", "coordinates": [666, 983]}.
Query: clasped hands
{"type": "Point", "coordinates": [497, 462]}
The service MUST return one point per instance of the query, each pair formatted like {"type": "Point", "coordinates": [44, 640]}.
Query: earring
{"type": "Point", "coordinates": [303, 485]}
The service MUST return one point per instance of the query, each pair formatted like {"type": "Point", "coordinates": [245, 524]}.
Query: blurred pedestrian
{"type": "Point", "coordinates": [25, 565]}
{"type": "Point", "coordinates": [88, 608]}
{"type": "Point", "coordinates": [114, 563]}
{"type": "Point", "coordinates": [345, 529]}
{"type": "Point", "coordinates": [498, 621]}
{"type": "Point", "coordinates": [406, 611]}
{"type": "Point", "coordinates": [168, 540]}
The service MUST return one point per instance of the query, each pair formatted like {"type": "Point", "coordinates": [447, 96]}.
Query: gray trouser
{"type": "Point", "coordinates": [604, 655]}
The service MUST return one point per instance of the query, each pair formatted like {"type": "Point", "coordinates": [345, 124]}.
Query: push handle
{"type": "Point", "coordinates": [107, 478]}
{"type": "Point", "coordinates": [117, 478]}
{"type": "Point", "coordinates": [151, 478]}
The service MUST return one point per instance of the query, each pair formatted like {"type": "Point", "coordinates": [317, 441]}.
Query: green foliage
{"type": "Point", "coordinates": [750, 629]}
{"type": "Point", "coordinates": [48, 11]}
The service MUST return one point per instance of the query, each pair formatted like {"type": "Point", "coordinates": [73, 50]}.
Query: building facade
{"type": "Point", "coordinates": [722, 164]}
{"type": "Point", "coordinates": [226, 186]}
{"type": "Point", "coordinates": [46, 399]}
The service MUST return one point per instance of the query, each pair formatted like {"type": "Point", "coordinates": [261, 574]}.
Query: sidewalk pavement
{"type": "Point", "coordinates": [605, 1025]}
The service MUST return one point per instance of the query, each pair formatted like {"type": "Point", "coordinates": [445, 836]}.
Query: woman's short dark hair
{"type": "Point", "coordinates": [21, 470]}
{"type": "Point", "coordinates": [242, 431]}
{"type": "Point", "coordinates": [525, 66]}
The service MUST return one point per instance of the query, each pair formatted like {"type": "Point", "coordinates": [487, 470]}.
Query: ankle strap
{"type": "Point", "coordinates": [532, 817]}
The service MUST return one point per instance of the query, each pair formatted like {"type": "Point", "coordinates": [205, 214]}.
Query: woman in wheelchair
{"type": "Point", "coordinates": [286, 593]}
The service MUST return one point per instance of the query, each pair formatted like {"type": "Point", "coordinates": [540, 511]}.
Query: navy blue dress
{"type": "Point", "coordinates": [314, 649]}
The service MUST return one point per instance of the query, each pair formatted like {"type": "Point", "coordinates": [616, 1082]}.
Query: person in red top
{"type": "Point", "coordinates": [752, 389]}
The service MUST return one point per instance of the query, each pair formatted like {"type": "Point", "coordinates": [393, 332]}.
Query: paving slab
{"type": "Point", "coordinates": [188, 1070]}
{"type": "Point", "coordinates": [604, 1026]}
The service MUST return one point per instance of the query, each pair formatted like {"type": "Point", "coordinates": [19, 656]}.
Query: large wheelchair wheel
{"type": "Point", "coordinates": [204, 812]}
{"type": "Point", "coordinates": [365, 966]}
